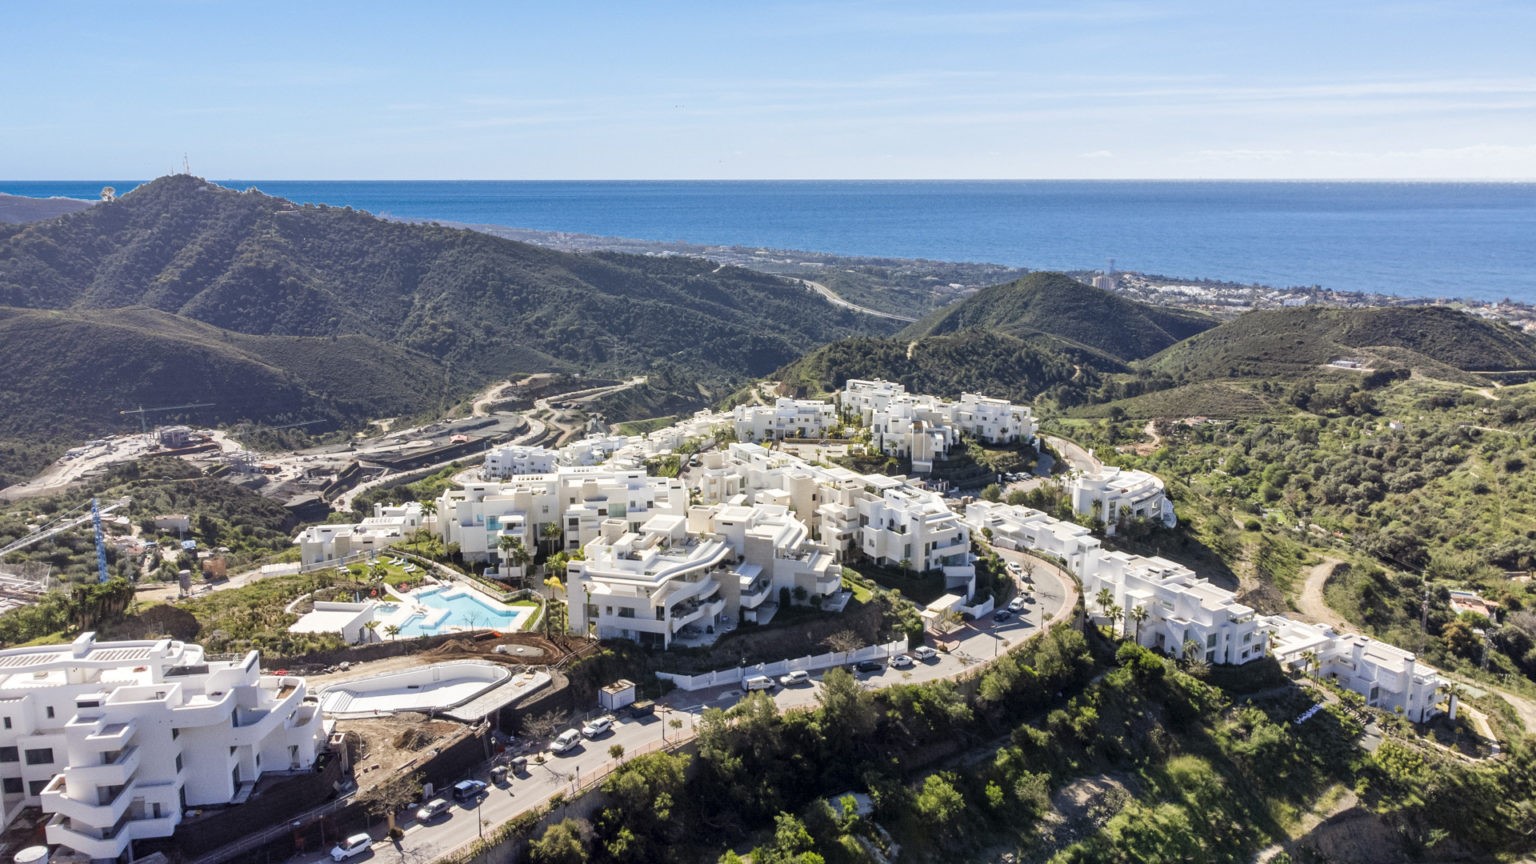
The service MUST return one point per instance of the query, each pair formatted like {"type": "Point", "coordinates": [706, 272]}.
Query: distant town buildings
{"type": "Point", "coordinates": [114, 740]}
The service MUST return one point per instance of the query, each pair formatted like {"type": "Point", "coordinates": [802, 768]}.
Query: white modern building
{"type": "Point", "coordinates": [700, 573]}
{"type": "Point", "coordinates": [925, 428]}
{"type": "Point", "coordinates": [574, 499]}
{"type": "Point", "coordinates": [785, 418]}
{"type": "Point", "coordinates": [505, 462]}
{"type": "Point", "coordinates": [1119, 493]}
{"type": "Point", "coordinates": [1388, 677]}
{"type": "Point", "coordinates": [387, 526]}
{"type": "Point", "coordinates": [114, 740]}
{"type": "Point", "coordinates": [1183, 611]}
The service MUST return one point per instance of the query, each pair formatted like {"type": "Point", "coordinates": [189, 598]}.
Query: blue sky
{"type": "Point", "coordinates": [339, 90]}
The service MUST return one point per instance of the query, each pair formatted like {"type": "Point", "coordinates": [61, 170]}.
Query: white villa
{"type": "Point", "coordinates": [785, 418]}
{"type": "Point", "coordinates": [1120, 493]}
{"type": "Point", "coordinates": [115, 739]}
{"type": "Point", "coordinates": [387, 526]}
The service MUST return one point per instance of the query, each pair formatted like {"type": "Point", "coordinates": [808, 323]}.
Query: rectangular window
{"type": "Point", "coordinates": [50, 712]}
{"type": "Point", "coordinates": [7, 722]}
{"type": "Point", "coordinates": [9, 754]}
{"type": "Point", "coordinates": [36, 787]}
{"type": "Point", "coordinates": [40, 756]}
{"type": "Point", "coordinates": [178, 763]}
{"type": "Point", "coordinates": [13, 786]}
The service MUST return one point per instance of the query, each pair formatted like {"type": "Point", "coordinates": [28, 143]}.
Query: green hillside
{"type": "Point", "coordinates": [993, 364]}
{"type": "Point", "coordinates": [183, 291]}
{"type": "Point", "coordinates": [254, 264]}
{"type": "Point", "coordinates": [1433, 340]}
{"type": "Point", "coordinates": [1063, 310]}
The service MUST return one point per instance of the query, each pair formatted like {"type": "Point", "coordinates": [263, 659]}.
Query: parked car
{"type": "Point", "coordinates": [795, 678]}
{"type": "Point", "coordinates": [901, 661]}
{"type": "Point", "coordinates": [925, 653]}
{"type": "Point", "coordinates": [1001, 615]}
{"type": "Point", "coordinates": [642, 708]}
{"type": "Point", "coordinates": [565, 741]}
{"type": "Point", "coordinates": [356, 844]}
{"type": "Point", "coordinates": [1016, 604]}
{"type": "Point", "coordinates": [467, 790]}
{"type": "Point", "coordinates": [432, 809]}
{"type": "Point", "coordinates": [1014, 568]}
{"type": "Point", "coordinates": [867, 666]}
{"type": "Point", "coordinates": [756, 682]}
{"type": "Point", "coordinates": [598, 727]}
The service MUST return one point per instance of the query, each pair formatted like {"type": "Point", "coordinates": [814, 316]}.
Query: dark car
{"type": "Point", "coordinates": [867, 666]}
{"type": "Point", "coordinates": [1002, 615]}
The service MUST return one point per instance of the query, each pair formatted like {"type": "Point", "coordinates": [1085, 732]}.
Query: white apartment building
{"type": "Point", "coordinates": [577, 499]}
{"type": "Point", "coordinates": [1182, 609]}
{"type": "Point", "coordinates": [387, 526]}
{"type": "Point", "coordinates": [883, 518]}
{"type": "Point", "coordinates": [505, 462]}
{"type": "Point", "coordinates": [115, 739]}
{"type": "Point", "coordinates": [718, 564]}
{"type": "Point", "coordinates": [1388, 677]}
{"type": "Point", "coordinates": [1011, 526]}
{"type": "Point", "coordinates": [992, 421]}
{"type": "Point", "coordinates": [1120, 493]}
{"type": "Point", "coordinates": [925, 428]}
{"type": "Point", "coordinates": [785, 418]}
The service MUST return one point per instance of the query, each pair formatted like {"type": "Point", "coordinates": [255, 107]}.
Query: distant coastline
{"type": "Point", "coordinates": [1385, 243]}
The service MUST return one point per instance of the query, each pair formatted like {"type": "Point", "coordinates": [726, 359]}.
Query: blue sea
{"type": "Point", "coordinates": [1472, 240]}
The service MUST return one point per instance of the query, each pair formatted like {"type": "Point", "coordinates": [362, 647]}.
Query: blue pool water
{"type": "Point", "coordinates": [464, 610]}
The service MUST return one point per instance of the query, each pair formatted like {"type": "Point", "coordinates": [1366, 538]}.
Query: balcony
{"type": "Point", "coordinates": [115, 772]}
{"type": "Point", "coordinates": [699, 612]}
{"type": "Point", "coordinates": [108, 812]}
{"type": "Point", "coordinates": [754, 595]}
{"type": "Point", "coordinates": [111, 736]}
{"type": "Point", "coordinates": [209, 710]}
{"type": "Point", "coordinates": [93, 842]}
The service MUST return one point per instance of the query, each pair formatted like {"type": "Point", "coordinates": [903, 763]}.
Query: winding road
{"type": "Point", "coordinates": [837, 300]}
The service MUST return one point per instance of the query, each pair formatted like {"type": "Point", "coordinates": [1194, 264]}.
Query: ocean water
{"type": "Point", "coordinates": [1473, 240]}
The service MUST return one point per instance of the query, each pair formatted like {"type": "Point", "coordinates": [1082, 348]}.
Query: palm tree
{"type": "Point", "coordinates": [1309, 659]}
{"type": "Point", "coordinates": [1139, 614]}
{"type": "Point", "coordinates": [371, 626]}
{"type": "Point", "coordinates": [393, 630]}
{"type": "Point", "coordinates": [1114, 613]}
{"type": "Point", "coordinates": [551, 533]}
{"type": "Point", "coordinates": [513, 553]}
{"type": "Point", "coordinates": [1104, 598]}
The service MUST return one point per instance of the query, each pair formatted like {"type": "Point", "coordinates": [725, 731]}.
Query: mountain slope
{"type": "Point", "coordinates": [19, 208]}
{"type": "Point", "coordinates": [259, 265]}
{"type": "Point", "coordinates": [993, 364]}
{"type": "Point", "coordinates": [1055, 308]}
{"type": "Point", "coordinates": [1291, 341]}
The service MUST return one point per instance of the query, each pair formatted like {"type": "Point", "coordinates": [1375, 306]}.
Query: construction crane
{"type": "Point", "coordinates": [101, 544]}
{"type": "Point", "coordinates": [142, 411]}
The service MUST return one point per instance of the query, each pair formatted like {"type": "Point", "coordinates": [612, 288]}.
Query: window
{"type": "Point", "coordinates": [178, 763]}
{"type": "Point", "coordinates": [36, 787]}
{"type": "Point", "coordinates": [7, 722]}
{"type": "Point", "coordinates": [40, 756]}
{"type": "Point", "coordinates": [9, 754]}
{"type": "Point", "coordinates": [50, 712]}
{"type": "Point", "coordinates": [13, 786]}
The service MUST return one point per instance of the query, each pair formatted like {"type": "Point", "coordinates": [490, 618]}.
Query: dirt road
{"type": "Point", "coordinates": [1311, 603]}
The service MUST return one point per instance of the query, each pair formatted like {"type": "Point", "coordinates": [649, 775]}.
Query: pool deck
{"type": "Point", "coordinates": [434, 619]}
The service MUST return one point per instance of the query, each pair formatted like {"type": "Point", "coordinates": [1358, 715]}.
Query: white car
{"type": "Point", "coordinates": [925, 653]}
{"type": "Point", "coordinates": [795, 678]}
{"type": "Point", "coordinates": [1014, 568]}
{"type": "Point", "coordinates": [1016, 604]}
{"type": "Point", "coordinates": [599, 727]}
{"type": "Point", "coordinates": [565, 741]}
{"type": "Point", "coordinates": [432, 809]}
{"type": "Point", "coordinates": [901, 661]}
{"type": "Point", "coordinates": [357, 844]}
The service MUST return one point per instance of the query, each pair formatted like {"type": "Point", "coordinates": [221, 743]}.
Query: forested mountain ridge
{"type": "Point", "coordinates": [1068, 313]}
{"type": "Point", "coordinates": [254, 264]}
{"type": "Point", "coordinates": [182, 287]}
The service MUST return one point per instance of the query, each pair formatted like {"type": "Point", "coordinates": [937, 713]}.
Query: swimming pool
{"type": "Point", "coordinates": [457, 609]}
